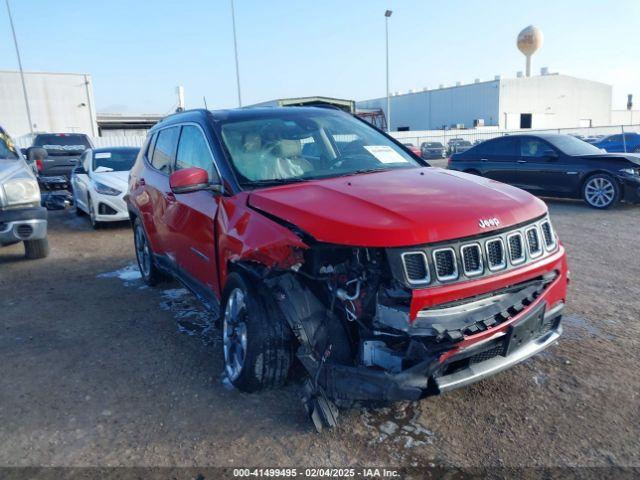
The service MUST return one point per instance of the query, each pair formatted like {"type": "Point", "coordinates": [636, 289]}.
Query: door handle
{"type": "Point", "coordinates": [484, 160]}
{"type": "Point", "coordinates": [522, 161]}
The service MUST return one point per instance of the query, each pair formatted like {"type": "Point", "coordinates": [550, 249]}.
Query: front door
{"type": "Point", "coordinates": [191, 217]}
{"type": "Point", "coordinates": [544, 170]}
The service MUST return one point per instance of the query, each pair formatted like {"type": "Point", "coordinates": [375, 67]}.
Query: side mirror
{"type": "Point", "coordinates": [551, 155]}
{"type": "Point", "coordinates": [36, 153]}
{"type": "Point", "coordinates": [189, 180]}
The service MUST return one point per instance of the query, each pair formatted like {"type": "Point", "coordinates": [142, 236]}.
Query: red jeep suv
{"type": "Point", "coordinates": [314, 236]}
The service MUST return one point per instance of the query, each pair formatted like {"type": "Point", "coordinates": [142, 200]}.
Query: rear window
{"type": "Point", "coordinates": [63, 143]}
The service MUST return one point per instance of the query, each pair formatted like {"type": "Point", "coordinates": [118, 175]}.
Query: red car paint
{"type": "Point", "coordinates": [397, 208]}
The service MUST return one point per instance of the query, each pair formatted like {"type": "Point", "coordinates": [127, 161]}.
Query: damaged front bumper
{"type": "Point", "coordinates": [493, 331]}
{"type": "Point", "coordinates": [530, 333]}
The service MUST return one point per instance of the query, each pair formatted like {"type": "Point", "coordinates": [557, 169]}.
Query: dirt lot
{"type": "Point", "coordinates": [96, 369]}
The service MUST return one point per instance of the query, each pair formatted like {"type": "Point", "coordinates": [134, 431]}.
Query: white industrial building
{"type": "Point", "coordinates": [540, 102]}
{"type": "Point", "coordinates": [59, 102]}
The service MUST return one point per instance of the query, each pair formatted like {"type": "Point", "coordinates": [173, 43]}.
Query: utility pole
{"type": "Point", "coordinates": [24, 85]}
{"type": "Point", "coordinates": [235, 49]}
{"type": "Point", "coordinates": [387, 14]}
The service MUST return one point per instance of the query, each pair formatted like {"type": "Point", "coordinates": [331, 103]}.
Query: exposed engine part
{"type": "Point", "coordinates": [375, 353]}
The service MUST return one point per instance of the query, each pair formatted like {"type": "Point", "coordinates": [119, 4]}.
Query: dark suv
{"type": "Point", "coordinates": [387, 279]}
{"type": "Point", "coordinates": [63, 152]}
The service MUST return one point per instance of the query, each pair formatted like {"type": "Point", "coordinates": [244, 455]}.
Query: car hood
{"type": "Point", "coordinates": [397, 208]}
{"type": "Point", "coordinates": [10, 166]}
{"type": "Point", "coordinates": [113, 179]}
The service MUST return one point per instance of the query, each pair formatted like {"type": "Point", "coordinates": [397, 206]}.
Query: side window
{"type": "Point", "coordinates": [165, 149]}
{"type": "Point", "coordinates": [505, 149]}
{"type": "Point", "coordinates": [193, 151]}
{"type": "Point", "coordinates": [151, 146]}
{"type": "Point", "coordinates": [533, 148]}
{"type": "Point", "coordinates": [615, 138]}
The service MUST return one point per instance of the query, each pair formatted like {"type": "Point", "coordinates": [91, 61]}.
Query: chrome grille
{"type": "Point", "coordinates": [472, 259]}
{"type": "Point", "coordinates": [446, 265]}
{"type": "Point", "coordinates": [416, 268]}
{"type": "Point", "coordinates": [547, 233]}
{"type": "Point", "coordinates": [533, 240]}
{"type": "Point", "coordinates": [516, 248]}
{"type": "Point", "coordinates": [496, 259]}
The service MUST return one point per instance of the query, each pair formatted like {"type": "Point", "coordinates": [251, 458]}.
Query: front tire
{"type": "Point", "coordinates": [601, 191]}
{"type": "Point", "coordinates": [92, 215]}
{"type": "Point", "coordinates": [144, 256]}
{"type": "Point", "coordinates": [34, 249]}
{"type": "Point", "coordinates": [258, 346]}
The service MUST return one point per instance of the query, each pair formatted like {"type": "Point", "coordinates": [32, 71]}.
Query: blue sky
{"type": "Point", "coordinates": [138, 51]}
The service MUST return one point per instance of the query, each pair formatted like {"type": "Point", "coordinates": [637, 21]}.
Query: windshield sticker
{"type": "Point", "coordinates": [103, 155]}
{"type": "Point", "coordinates": [64, 147]}
{"type": "Point", "coordinates": [386, 154]}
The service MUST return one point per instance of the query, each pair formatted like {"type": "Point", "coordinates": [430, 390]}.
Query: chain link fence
{"type": "Point", "coordinates": [474, 136]}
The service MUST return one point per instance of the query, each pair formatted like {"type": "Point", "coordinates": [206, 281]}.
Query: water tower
{"type": "Point", "coordinates": [529, 41]}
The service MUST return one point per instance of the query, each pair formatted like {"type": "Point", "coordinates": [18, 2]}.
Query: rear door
{"type": "Point", "coordinates": [191, 216]}
{"type": "Point", "coordinates": [158, 194]}
{"type": "Point", "coordinates": [498, 159]}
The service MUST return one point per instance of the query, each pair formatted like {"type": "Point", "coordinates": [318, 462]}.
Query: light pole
{"type": "Point", "coordinates": [387, 14]}
{"type": "Point", "coordinates": [24, 86]}
{"type": "Point", "coordinates": [235, 49]}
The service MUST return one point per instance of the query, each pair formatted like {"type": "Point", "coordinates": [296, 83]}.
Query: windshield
{"type": "Point", "coordinates": [292, 146]}
{"type": "Point", "coordinates": [62, 143]}
{"type": "Point", "coordinates": [115, 160]}
{"type": "Point", "coordinates": [433, 145]}
{"type": "Point", "coordinates": [7, 148]}
{"type": "Point", "coordinates": [573, 146]}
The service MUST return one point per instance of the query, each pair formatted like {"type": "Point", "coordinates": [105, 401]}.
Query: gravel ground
{"type": "Point", "coordinates": [98, 370]}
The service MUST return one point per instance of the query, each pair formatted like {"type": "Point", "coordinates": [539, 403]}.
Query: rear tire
{"type": "Point", "coordinates": [258, 347]}
{"type": "Point", "coordinates": [144, 256]}
{"type": "Point", "coordinates": [34, 249]}
{"type": "Point", "coordinates": [601, 191]}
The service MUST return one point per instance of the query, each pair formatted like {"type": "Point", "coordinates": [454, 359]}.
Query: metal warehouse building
{"type": "Point", "coordinates": [59, 102]}
{"type": "Point", "coordinates": [544, 101]}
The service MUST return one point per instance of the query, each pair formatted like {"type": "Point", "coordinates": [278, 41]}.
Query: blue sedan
{"type": "Point", "coordinates": [615, 143]}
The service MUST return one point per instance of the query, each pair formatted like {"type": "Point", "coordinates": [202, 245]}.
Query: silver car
{"type": "Point", "coordinates": [22, 219]}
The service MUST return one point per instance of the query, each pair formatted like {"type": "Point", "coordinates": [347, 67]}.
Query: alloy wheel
{"type": "Point", "coordinates": [234, 333]}
{"type": "Point", "coordinates": [143, 255]}
{"type": "Point", "coordinates": [599, 192]}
